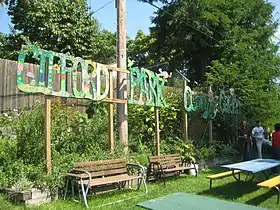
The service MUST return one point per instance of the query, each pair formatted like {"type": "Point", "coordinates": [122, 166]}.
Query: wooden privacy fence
{"type": "Point", "coordinates": [12, 98]}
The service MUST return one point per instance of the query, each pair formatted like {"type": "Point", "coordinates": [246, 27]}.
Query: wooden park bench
{"type": "Point", "coordinates": [160, 166]}
{"type": "Point", "coordinates": [272, 183]}
{"type": "Point", "coordinates": [223, 175]}
{"type": "Point", "coordinates": [88, 175]}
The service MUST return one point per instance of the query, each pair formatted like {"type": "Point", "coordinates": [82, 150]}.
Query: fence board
{"type": "Point", "coordinates": [6, 86]}
{"type": "Point", "coordinates": [2, 84]}
{"type": "Point", "coordinates": [12, 68]}
{"type": "Point", "coordinates": [12, 98]}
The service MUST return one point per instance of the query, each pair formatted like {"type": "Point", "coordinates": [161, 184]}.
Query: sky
{"type": "Point", "coordinates": [138, 16]}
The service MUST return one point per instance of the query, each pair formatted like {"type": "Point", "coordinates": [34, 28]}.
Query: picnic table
{"type": "Point", "coordinates": [253, 166]}
{"type": "Point", "coordinates": [183, 201]}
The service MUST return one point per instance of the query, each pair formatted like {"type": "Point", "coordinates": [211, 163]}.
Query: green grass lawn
{"type": "Point", "coordinates": [227, 188]}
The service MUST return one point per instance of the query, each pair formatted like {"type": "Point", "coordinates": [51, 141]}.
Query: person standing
{"type": "Point", "coordinates": [258, 134]}
{"type": "Point", "coordinates": [276, 142]}
{"type": "Point", "coordinates": [245, 141]}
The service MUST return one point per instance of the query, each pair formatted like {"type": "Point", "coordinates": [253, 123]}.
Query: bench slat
{"type": "Point", "coordinates": [273, 182]}
{"type": "Point", "coordinates": [112, 179]}
{"type": "Point", "coordinates": [100, 162]}
{"type": "Point", "coordinates": [109, 172]}
{"type": "Point", "coordinates": [162, 157]}
{"type": "Point", "coordinates": [223, 174]}
{"type": "Point", "coordinates": [169, 160]}
{"type": "Point", "coordinates": [170, 165]}
{"type": "Point", "coordinates": [102, 167]}
{"type": "Point", "coordinates": [177, 169]}
{"type": "Point", "coordinates": [166, 158]}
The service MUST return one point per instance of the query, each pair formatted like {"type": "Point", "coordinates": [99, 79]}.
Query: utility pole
{"type": "Point", "coordinates": [122, 77]}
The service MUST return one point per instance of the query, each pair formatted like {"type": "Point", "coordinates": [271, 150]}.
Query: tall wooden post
{"type": "Point", "coordinates": [210, 121]}
{"type": "Point", "coordinates": [185, 117]}
{"type": "Point", "coordinates": [157, 131]}
{"type": "Point", "coordinates": [122, 77]}
{"type": "Point", "coordinates": [111, 114]}
{"type": "Point", "coordinates": [48, 134]}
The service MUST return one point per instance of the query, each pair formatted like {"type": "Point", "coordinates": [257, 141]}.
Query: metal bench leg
{"type": "Point", "coordinates": [211, 184]}
{"type": "Point", "coordinates": [79, 191]}
{"type": "Point", "coordinates": [84, 193]}
{"type": "Point", "coordinates": [148, 173]}
{"type": "Point", "coordinates": [278, 194]}
{"type": "Point", "coordinates": [66, 187]}
{"type": "Point", "coordinates": [139, 182]}
{"type": "Point", "coordinates": [145, 185]}
{"type": "Point", "coordinates": [73, 187]}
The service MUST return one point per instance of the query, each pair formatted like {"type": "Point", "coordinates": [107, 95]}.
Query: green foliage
{"type": "Point", "coordinates": [142, 123]}
{"type": "Point", "coordinates": [186, 149]}
{"type": "Point", "coordinates": [138, 49]}
{"type": "Point", "coordinates": [206, 152]}
{"type": "Point", "coordinates": [75, 137]}
{"type": "Point", "coordinates": [252, 74]}
{"type": "Point", "coordinates": [206, 30]}
{"type": "Point", "coordinates": [30, 136]}
{"type": "Point", "coordinates": [225, 44]}
{"type": "Point", "coordinates": [62, 26]}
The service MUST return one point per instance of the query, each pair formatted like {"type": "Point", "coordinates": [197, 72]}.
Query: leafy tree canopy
{"type": "Point", "coordinates": [64, 26]}
{"type": "Point", "coordinates": [226, 44]}
{"type": "Point", "coordinates": [138, 49]}
{"type": "Point", "coordinates": [191, 34]}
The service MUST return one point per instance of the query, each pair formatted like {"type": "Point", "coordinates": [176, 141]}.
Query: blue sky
{"type": "Point", "coordinates": [138, 16]}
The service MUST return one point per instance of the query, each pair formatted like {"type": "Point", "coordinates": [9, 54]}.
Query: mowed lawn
{"type": "Point", "coordinates": [227, 188]}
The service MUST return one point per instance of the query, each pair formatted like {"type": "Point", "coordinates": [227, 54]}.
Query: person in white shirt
{"type": "Point", "coordinates": [258, 134]}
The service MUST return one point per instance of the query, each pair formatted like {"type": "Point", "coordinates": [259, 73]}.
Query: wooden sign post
{"type": "Point", "coordinates": [48, 134]}
{"type": "Point", "coordinates": [185, 118]}
{"type": "Point", "coordinates": [111, 114]}
{"type": "Point", "coordinates": [157, 131]}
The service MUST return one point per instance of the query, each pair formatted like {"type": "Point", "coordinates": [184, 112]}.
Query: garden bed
{"type": "Point", "coordinates": [215, 162]}
{"type": "Point", "coordinates": [31, 196]}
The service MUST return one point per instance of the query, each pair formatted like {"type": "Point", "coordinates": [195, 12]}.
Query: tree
{"type": "Point", "coordinates": [139, 50]}
{"type": "Point", "coordinates": [3, 41]}
{"type": "Point", "coordinates": [226, 44]}
{"type": "Point", "coordinates": [191, 34]}
{"type": "Point", "coordinates": [252, 71]}
{"type": "Point", "coordinates": [61, 26]}
{"type": "Point", "coordinates": [3, 2]}
{"type": "Point", "coordinates": [104, 47]}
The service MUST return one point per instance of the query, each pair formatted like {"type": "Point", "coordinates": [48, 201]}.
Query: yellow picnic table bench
{"type": "Point", "coordinates": [272, 183]}
{"type": "Point", "coordinates": [223, 175]}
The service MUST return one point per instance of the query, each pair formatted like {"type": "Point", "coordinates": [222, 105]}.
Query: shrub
{"type": "Point", "coordinates": [75, 137]}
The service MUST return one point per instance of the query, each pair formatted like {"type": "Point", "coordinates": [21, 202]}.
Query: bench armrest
{"type": "Point", "coordinates": [157, 163]}
{"type": "Point", "coordinates": [81, 171]}
{"type": "Point", "coordinates": [155, 167]}
{"type": "Point", "coordinates": [186, 161]}
{"type": "Point", "coordinates": [141, 169]}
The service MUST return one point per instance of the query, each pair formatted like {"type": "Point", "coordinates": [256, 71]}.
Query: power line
{"type": "Point", "coordinates": [189, 25]}
{"type": "Point", "coordinates": [103, 6]}
{"type": "Point", "coordinates": [276, 37]}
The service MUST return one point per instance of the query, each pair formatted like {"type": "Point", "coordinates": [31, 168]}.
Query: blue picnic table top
{"type": "Point", "coordinates": [254, 166]}
{"type": "Point", "coordinates": [185, 201]}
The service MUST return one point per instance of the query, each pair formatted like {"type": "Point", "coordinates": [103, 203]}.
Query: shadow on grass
{"type": "Point", "coordinates": [261, 198]}
{"type": "Point", "coordinates": [231, 190]}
